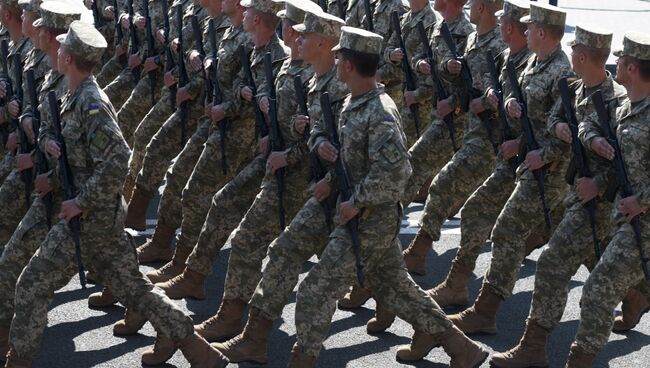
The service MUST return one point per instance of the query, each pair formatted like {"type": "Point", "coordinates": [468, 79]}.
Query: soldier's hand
{"type": "Point", "coordinates": [443, 107]}
{"type": "Point", "coordinates": [3, 89]}
{"type": "Point", "coordinates": [109, 12]}
{"type": "Point", "coordinates": [181, 96]}
{"type": "Point", "coordinates": [140, 21]}
{"type": "Point", "coordinates": [124, 21]}
{"type": "Point", "coordinates": [513, 107]}
{"type": "Point", "coordinates": [510, 149]}
{"type": "Point", "coordinates": [246, 93]}
{"type": "Point", "coordinates": [322, 190]}
{"type": "Point", "coordinates": [53, 149]}
{"type": "Point", "coordinates": [150, 64]}
{"type": "Point", "coordinates": [69, 210]}
{"type": "Point", "coordinates": [301, 123]}
{"type": "Point", "coordinates": [347, 211]}
{"type": "Point", "coordinates": [454, 66]}
{"type": "Point", "coordinates": [119, 50]}
{"type": "Point", "coordinates": [12, 143]}
{"type": "Point", "coordinates": [630, 208]}
{"type": "Point", "coordinates": [28, 129]}
{"type": "Point", "coordinates": [160, 36]}
{"type": "Point", "coordinates": [195, 61]}
{"type": "Point", "coordinates": [42, 185]}
{"type": "Point", "coordinates": [217, 113]}
{"type": "Point", "coordinates": [276, 160]}
{"type": "Point", "coordinates": [264, 104]}
{"type": "Point", "coordinates": [409, 96]}
{"type": "Point", "coordinates": [327, 151]}
{"type": "Point", "coordinates": [263, 144]}
{"type": "Point", "coordinates": [24, 161]}
{"type": "Point", "coordinates": [134, 61]}
{"type": "Point", "coordinates": [492, 99]}
{"type": "Point", "coordinates": [207, 64]}
{"type": "Point", "coordinates": [563, 132]}
{"type": "Point", "coordinates": [476, 106]}
{"type": "Point", "coordinates": [88, 4]}
{"type": "Point", "coordinates": [423, 67]}
{"type": "Point", "coordinates": [534, 160]}
{"type": "Point", "coordinates": [602, 148]}
{"type": "Point", "coordinates": [169, 79]}
{"type": "Point", "coordinates": [13, 107]}
{"type": "Point", "coordinates": [396, 55]}
{"type": "Point", "coordinates": [586, 189]}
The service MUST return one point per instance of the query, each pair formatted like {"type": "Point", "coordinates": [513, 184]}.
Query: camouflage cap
{"type": "Point", "coordinates": [360, 40]}
{"type": "Point", "coordinates": [29, 5]}
{"type": "Point", "coordinates": [636, 45]}
{"type": "Point", "coordinates": [545, 14]}
{"type": "Point", "coordinates": [265, 6]}
{"type": "Point", "coordinates": [590, 36]}
{"type": "Point", "coordinates": [58, 14]}
{"type": "Point", "coordinates": [321, 23]}
{"type": "Point", "coordinates": [295, 9]}
{"type": "Point", "coordinates": [10, 3]}
{"type": "Point", "coordinates": [84, 40]}
{"type": "Point", "coordinates": [514, 9]}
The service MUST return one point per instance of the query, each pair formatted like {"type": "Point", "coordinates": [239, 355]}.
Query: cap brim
{"type": "Point", "coordinates": [300, 28]}
{"type": "Point", "coordinates": [499, 13]}
{"type": "Point", "coordinates": [618, 53]}
{"type": "Point", "coordinates": [246, 3]}
{"type": "Point", "coordinates": [571, 43]}
{"type": "Point", "coordinates": [61, 37]}
{"type": "Point", "coordinates": [37, 23]}
{"type": "Point", "coordinates": [282, 13]}
{"type": "Point", "coordinates": [526, 19]}
{"type": "Point", "coordinates": [337, 47]}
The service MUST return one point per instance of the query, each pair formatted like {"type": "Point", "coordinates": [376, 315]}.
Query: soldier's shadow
{"type": "Point", "coordinates": [633, 341]}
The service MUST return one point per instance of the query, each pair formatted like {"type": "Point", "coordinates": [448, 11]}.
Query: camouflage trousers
{"type": "Point", "coordinates": [120, 88]}
{"type": "Point", "coordinates": [520, 216]}
{"type": "Point", "coordinates": [165, 145]}
{"type": "Point", "coordinates": [227, 209]}
{"type": "Point", "coordinates": [12, 197]}
{"type": "Point", "coordinates": [619, 269]}
{"type": "Point", "coordinates": [147, 128]}
{"type": "Point", "coordinates": [110, 71]}
{"type": "Point", "coordinates": [466, 170]}
{"type": "Point", "coordinates": [138, 104]}
{"type": "Point", "coordinates": [261, 224]}
{"type": "Point", "coordinates": [408, 121]}
{"type": "Point", "coordinates": [384, 271]}
{"type": "Point", "coordinates": [7, 164]}
{"type": "Point", "coordinates": [480, 212]}
{"type": "Point", "coordinates": [430, 153]}
{"type": "Point", "coordinates": [113, 261]}
{"type": "Point", "coordinates": [571, 245]}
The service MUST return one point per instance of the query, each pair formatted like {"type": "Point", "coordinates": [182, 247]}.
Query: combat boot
{"type": "Point", "coordinates": [355, 298]}
{"type": "Point", "coordinates": [4, 342]}
{"type": "Point", "coordinates": [172, 268]}
{"type": "Point", "coordinates": [530, 352]}
{"type": "Point", "coordinates": [136, 216]}
{"type": "Point", "coordinates": [200, 354]}
{"type": "Point", "coordinates": [634, 307]}
{"type": "Point", "coordinates": [578, 358]}
{"type": "Point", "coordinates": [250, 345]}
{"type": "Point", "coordinates": [423, 192]}
{"type": "Point", "coordinates": [415, 255]}
{"type": "Point", "coordinates": [481, 317]}
{"type": "Point", "coordinates": [188, 284]}
{"type": "Point", "coordinates": [102, 299]}
{"type": "Point", "coordinates": [299, 359]}
{"type": "Point", "coordinates": [130, 325]}
{"type": "Point", "coordinates": [463, 351]}
{"type": "Point", "coordinates": [381, 321]}
{"type": "Point", "coordinates": [453, 291]}
{"type": "Point", "coordinates": [161, 351]}
{"type": "Point", "coordinates": [13, 361]}
{"type": "Point", "coordinates": [159, 247]}
{"type": "Point", "coordinates": [226, 324]}
{"type": "Point", "coordinates": [127, 190]}
{"type": "Point", "coordinates": [535, 241]}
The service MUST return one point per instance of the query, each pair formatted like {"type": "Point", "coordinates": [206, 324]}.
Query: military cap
{"type": "Point", "coordinates": [84, 40]}
{"type": "Point", "coordinates": [636, 45]}
{"type": "Point", "coordinates": [295, 9]}
{"type": "Point", "coordinates": [321, 23]}
{"type": "Point", "coordinates": [265, 6]}
{"type": "Point", "coordinates": [57, 14]}
{"type": "Point", "coordinates": [360, 40]}
{"type": "Point", "coordinates": [10, 3]}
{"type": "Point", "coordinates": [545, 14]}
{"type": "Point", "coordinates": [514, 9]}
{"type": "Point", "coordinates": [29, 5]}
{"type": "Point", "coordinates": [590, 36]}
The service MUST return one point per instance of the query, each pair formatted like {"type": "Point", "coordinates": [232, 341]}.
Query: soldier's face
{"type": "Point", "coordinates": [532, 37]}
{"type": "Point", "coordinates": [62, 56]}
{"type": "Point", "coordinates": [622, 71]}
{"type": "Point", "coordinates": [228, 6]}
{"type": "Point", "coordinates": [28, 30]}
{"type": "Point", "coordinates": [475, 8]}
{"type": "Point", "coordinates": [440, 5]}
{"type": "Point", "coordinates": [249, 20]}
{"type": "Point", "coordinates": [308, 47]}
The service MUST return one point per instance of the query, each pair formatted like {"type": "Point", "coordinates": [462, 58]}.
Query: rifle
{"type": "Point", "coordinates": [119, 35]}
{"type": "Point", "coordinates": [150, 49]}
{"type": "Point", "coordinates": [36, 126]}
{"type": "Point", "coordinates": [621, 173]}
{"type": "Point", "coordinates": [317, 172]}
{"type": "Point", "coordinates": [441, 92]}
{"type": "Point", "coordinates": [133, 38]}
{"type": "Point", "coordinates": [343, 180]}
{"type": "Point", "coordinates": [4, 49]}
{"type": "Point", "coordinates": [169, 56]}
{"type": "Point", "coordinates": [26, 175]}
{"type": "Point", "coordinates": [67, 179]}
{"type": "Point", "coordinates": [408, 73]}
{"type": "Point", "coordinates": [198, 46]}
{"type": "Point", "coordinates": [183, 79]}
{"type": "Point", "coordinates": [263, 129]}
{"type": "Point", "coordinates": [341, 8]}
{"type": "Point", "coordinates": [531, 143]}
{"type": "Point", "coordinates": [277, 143]}
{"type": "Point", "coordinates": [369, 24]}
{"type": "Point", "coordinates": [97, 17]}
{"type": "Point", "coordinates": [506, 131]}
{"type": "Point", "coordinates": [217, 94]}
{"type": "Point", "coordinates": [323, 5]}
{"type": "Point", "coordinates": [486, 116]}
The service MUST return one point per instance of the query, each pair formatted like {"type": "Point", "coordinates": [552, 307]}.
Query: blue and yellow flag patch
{"type": "Point", "coordinates": [93, 109]}
{"type": "Point", "coordinates": [388, 121]}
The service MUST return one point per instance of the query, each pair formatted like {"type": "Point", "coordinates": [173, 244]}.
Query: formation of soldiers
{"type": "Point", "coordinates": [291, 128]}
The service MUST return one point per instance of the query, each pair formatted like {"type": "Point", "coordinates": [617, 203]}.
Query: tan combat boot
{"type": "Point", "coordinates": [13, 361]}
{"type": "Point", "coordinates": [578, 358]}
{"type": "Point", "coordinates": [535, 241]}
{"type": "Point", "coordinates": [130, 325]}
{"type": "Point", "coordinates": [102, 299]}
{"type": "Point", "coordinates": [127, 190]}
{"type": "Point", "coordinates": [299, 359]}
{"type": "Point", "coordinates": [355, 298]}
{"type": "Point", "coordinates": [463, 351]}
{"type": "Point", "coordinates": [172, 268]}
{"type": "Point", "coordinates": [136, 216]}
{"type": "Point", "coordinates": [423, 192]}
{"type": "Point", "coordinates": [250, 345]}
{"type": "Point", "coordinates": [481, 318]}
{"type": "Point", "coordinates": [530, 352]}
{"type": "Point", "coordinates": [381, 321]}
{"type": "Point", "coordinates": [189, 284]}
{"type": "Point", "coordinates": [634, 307]}
{"type": "Point", "coordinates": [200, 354]}
{"type": "Point", "coordinates": [415, 255]}
{"type": "Point", "coordinates": [159, 247]}
{"type": "Point", "coordinates": [4, 342]}
{"type": "Point", "coordinates": [453, 291]}
{"type": "Point", "coordinates": [226, 324]}
{"type": "Point", "coordinates": [161, 351]}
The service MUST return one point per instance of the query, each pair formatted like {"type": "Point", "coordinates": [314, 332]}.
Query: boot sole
{"type": "Point", "coordinates": [350, 307]}
{"type": "Point", "coordinates": [481, 360]}
{"type": "Point", "coordinates": [528, 366]}
{"type": "Point", "coordinates": [622, 330]}
{"type": "Point", "coordinates": [155, 364]}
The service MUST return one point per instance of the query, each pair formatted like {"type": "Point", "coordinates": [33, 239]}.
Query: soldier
{"type": "Point", "coordinates": [116, 53]}
{"type": "Point", "coordinates": [97, 156]}
{"type": "Point", "coordinates": [618, 268]}
{"type": "Point", "coordinates": [572, 243]}
{"type": "Point", "coordinates": [524, 212]}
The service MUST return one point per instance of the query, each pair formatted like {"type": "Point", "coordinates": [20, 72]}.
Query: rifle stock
{"type": "Point", "coordinates": [217, 94]}
{"type": "Point", "coordinates": [408, 73]}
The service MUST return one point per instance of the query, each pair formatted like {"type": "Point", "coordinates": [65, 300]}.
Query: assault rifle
{"type": "Point", "coordinates": [216, 94]}
{"type": "Point", "coordinates": [98, 19]}
{"type": "Point", "coordinates": [151, 52]}
{"type": "Point", "coordinates": [133, 39]}
{"type": "Point", "coordinates": [408, 73]}
{"type": "Point", "coordinates": [368, 9]}
{"type": "Point", "coordinates": [4, 49]}
{"type": "Point", "coordinates": [169, 56]}
{"type": "Point", "coordinates": [197, 34]}
{"type": "Point", "coordinates": [119, 34]}
{"type": "Point", "coordinates": [263, 129]}
{"type": "Point", "coordinates": [17, 95]}
{"type": "Point", "coordinates": [183, 79]}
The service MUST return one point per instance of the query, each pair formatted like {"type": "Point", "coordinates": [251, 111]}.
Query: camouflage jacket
{"type": "Point", "coordinates": [37, 61]}
{"type": "Point", "coordinates": [22, 48]}
{"type": "Point", "coordinates": [53, 81]}
{"type": "Point", "coordinates": [229, 66]}
{"type": "Point", "coordinates": [391, 74]}
{"type": "Point", "coordinates": [355, 13]}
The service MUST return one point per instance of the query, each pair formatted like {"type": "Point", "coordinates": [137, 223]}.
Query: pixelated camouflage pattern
{"type": "Point", "coordinates": [323, 24]}
{"type": "Point", "coordinates": [592, 37]}
{"type": "Point", "coordinates": [635, 44]}
{"type": "Point", "coordinates": [84, 40]}
{"type": "Point", "coordinates": [545, 14]}
{"type": "Point", "coordinates": [360, 40]}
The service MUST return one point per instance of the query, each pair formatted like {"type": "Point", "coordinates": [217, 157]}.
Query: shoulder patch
{"type": "Point", "coordinates": [93, 109]}
{"type": "Point", "coordinates": [100, 139]}
{"type": "Point", "coordinates": [388, 121]}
